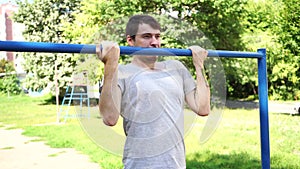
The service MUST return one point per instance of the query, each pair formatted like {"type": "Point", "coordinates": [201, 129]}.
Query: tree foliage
{"type": "Point", "coordinates": [285, 75]}
{"type": "Point", "coordinates": [196, 23]}
{"type": "Point", "coordinates": [274, 24]}
{"type": "Point", "coordinates": [9, 83]}
{"type": "Point", "coordinates": [214, 18]}
{"type": "Point", "coordinates": [214, 24]}
{"type": "Point", "coordinates": [6, 67]}
{"type": "Point", "coordinates": [258, 21]}
{"type": "Point", "coordinates": [43, 23]}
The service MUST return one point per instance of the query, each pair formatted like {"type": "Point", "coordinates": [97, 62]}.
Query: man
{"type": "Point", "coordinates": [150, 96]}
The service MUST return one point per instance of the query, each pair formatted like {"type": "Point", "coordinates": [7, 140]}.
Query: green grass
{"type": "Point", "coordinates": [235, 144]}
{"type": "Point", "coordinates": [24, 111]}
{"type": "Point", "coordinates": [56, 154]}
{"type": "Point", "coordinates": [7, 148]}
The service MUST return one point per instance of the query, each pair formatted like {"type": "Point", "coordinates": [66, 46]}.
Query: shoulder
{"type": "Point", "coordinates": [126, 67]}
{"type": "Point", "coordinates": [121, 66]}
{"type": "Point", "coordinates": [124, 70]}
{"type": "Point", "coordinates": [174, 64]}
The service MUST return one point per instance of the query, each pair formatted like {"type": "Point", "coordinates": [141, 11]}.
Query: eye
{"type": "Point", "coordinates": [157, 36]}
{"type": "Point", "coordinates": [147, 36]}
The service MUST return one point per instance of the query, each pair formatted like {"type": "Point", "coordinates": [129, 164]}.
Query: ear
{"type": "Point", "coordinates": [129, 40]}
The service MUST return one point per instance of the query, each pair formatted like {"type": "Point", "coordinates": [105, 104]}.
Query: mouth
{"type": "Point", "coordinates": [153, 46]}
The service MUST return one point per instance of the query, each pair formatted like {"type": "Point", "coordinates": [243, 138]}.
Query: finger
{"type": "Point", "coordinates": [107, 46]}
{"type": "Point", "coordinates": [99, 51]}
{"type": "Point", "coordinates": [107, 49]}
{"type": "Point", "coordinates": [196, 50]}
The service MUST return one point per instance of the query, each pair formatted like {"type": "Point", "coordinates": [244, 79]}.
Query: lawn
{"type": "Point", "coordinates": [235, 144]}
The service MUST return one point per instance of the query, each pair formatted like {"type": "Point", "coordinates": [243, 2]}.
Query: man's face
{"type": "Point", "coordinates": [146, 36]}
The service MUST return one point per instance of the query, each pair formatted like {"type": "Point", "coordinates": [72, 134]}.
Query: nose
{"type": "Point", "coordinates": [155, 41]}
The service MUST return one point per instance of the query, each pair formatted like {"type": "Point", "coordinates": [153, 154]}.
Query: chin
{"type": "Point", "coordinates": [151, 58]}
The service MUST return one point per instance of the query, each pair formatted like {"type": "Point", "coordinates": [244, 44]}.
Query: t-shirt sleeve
{"type": "Point", "coordinates": [121, 79]}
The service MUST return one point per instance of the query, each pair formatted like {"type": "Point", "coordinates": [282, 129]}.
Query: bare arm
{"type": "Point", "coordinates": [110, 97]}
{"type": "Point", "coordinates": [199, 99]}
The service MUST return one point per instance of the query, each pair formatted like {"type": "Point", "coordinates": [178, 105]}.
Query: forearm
{"type": "Point", "coordinates": [202, 93]}
{"type": "Point", "coordinates": [109, 104]}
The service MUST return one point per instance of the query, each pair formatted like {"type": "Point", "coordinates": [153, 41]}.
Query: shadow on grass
{"type": "Point", "coordinates": [241, 104]}
{"type": "Point", "coordinates": [51, 100]}
{"type": "Point", "coordinates": [215, 161]}
{"type": "Point", "coordinates": [285, 114]}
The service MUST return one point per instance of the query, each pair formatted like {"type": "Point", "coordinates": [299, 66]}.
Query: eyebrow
{"type": "Point", "coordinates": [147, 34]}
{"type": "Point", "coordinates": [142, 34]}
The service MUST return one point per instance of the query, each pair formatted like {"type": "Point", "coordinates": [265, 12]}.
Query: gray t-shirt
{"type": "Point", "coordinates": [152, 109]}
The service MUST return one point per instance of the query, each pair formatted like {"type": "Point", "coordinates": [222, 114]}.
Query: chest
{"type": "Point", "coordinates": [164, 82]}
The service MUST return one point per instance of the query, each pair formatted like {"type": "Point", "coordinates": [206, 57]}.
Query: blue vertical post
{"type": "Point", "coordinates": [263, 109]}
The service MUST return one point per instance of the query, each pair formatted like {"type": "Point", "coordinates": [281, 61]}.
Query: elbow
{"type": "Point", "coordinates": [204, 111]}
{"type": "Point", "coordinates": [205, 107]}
{"type": "Point", "coordinates": [109, 119]}
{"type": "Point", "coordinates": [109, 114]}
{"type": "Point", "coordinates": [109, 122]}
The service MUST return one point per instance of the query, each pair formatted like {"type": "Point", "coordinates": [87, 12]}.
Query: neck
{"type": "Point", "coordinates": [145, 61]}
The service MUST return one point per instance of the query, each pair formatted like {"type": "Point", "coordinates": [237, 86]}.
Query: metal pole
{"type": "Point", "coordinates": [21, 46]}
{"type": "Point", "coordinates": [263, 109]}
{"type": "Point", "coordinates": [18, 46]}
{"type": "Point", "coordinates": [56, 93]}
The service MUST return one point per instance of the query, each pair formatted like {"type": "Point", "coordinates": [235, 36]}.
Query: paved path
{"type": "Point", "coordinates": [20, 152]}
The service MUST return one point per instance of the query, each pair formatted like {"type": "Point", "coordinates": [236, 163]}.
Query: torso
{"type": "Point", "coordinates": [152, 109]}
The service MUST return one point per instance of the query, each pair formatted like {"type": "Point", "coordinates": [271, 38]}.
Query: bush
{"type": "Point", "coordinates": [10, 84]}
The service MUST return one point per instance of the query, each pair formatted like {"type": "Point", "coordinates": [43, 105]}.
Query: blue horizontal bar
{"type": "Point", "coordinates": [22, 46]}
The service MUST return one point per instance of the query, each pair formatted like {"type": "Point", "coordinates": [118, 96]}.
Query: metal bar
{"type": "Point", "coordinates": [22, 46]}
{"type": "Point", "coordinates": [263, 109]}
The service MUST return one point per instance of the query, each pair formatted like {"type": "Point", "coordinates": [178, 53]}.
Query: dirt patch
{"type": "Point", "coordinates": [20, 152]}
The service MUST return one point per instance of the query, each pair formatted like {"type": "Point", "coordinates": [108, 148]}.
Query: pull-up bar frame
{"type": "Point", "coordinates": [260, 55]}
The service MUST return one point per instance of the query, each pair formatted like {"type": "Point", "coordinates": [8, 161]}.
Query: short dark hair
{"type": "Point", "coordinates": [134, 22]}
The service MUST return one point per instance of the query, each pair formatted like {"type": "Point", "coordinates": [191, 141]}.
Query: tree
{"type": "Point", "coordinates": [229, 25]}
{"type": "Point", "coordinates": [5, 66]}
{"type": "Point", "coordinates": [9, 83]}
{"type": "Point", "coordinates": [214, 18]}
{"type": "Point", "coordinates": [287, 81]}
{"type": "Point", "coordinates": [217, 21]}
{"type": "Point", "coordinates": [258, 21]}
{"type": "Point", "coordinates": [274, 24]}
{"type": "Point", "coordinates": [43, 23]}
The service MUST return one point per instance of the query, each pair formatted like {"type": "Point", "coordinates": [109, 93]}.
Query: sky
{"type": "Point", "coordinates": [5, 1]}
{"type": "Point", "coordinates": [13, 1]}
